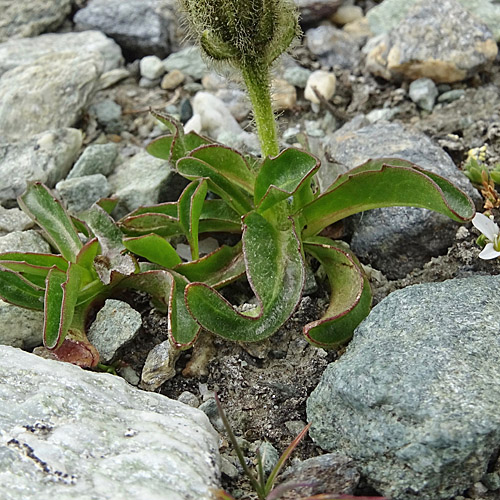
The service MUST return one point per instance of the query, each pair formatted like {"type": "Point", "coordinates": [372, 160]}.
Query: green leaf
{"type": "Point", "coordinates": [160, 224]}
{"type": "Point", "coordinates": [154, 248]}
{"type": "Point", "coordinates": [174, 146]}
{"type": "Point", "coordinates": [350, 294]}
{"type": "Point", "coordinates": [229, 163]}
{"type": "Point", "coordinates": [48, 213]}
{"type": "Point", "coordinates": [19, 291]}
{"type": "Point", "coordinates": [85, 259]}
{"type": "Point", "coordinates": [167, 290]}
{"type": "Point", "coordinates": [275, 271]}
{"type": "Point", "coordinates": [219, 268]}
{"type": "Point", "coordinates": [193, 168]}
{"type": "Point", "coordinates": [385, 183]}
{"type": "Point", "coordinates": [190, 207]}
{"type": "Point", "coordinates": [288, 174]}
{"type": "Point", "coordinates": [46, 260]}
{"type": "Point", "coordinates": [61, 294]}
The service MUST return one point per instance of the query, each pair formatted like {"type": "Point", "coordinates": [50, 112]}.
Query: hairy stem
{"type": "Point", "coordinates": [256, 76]}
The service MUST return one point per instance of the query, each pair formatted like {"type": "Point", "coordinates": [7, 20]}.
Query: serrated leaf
{"type": "Point", "coordinates": [190, 206]}
{"type": "Point", "coordinates": [193, 168]}
{"type": "Point", "coordinates": [350, 294]}
{"type": "Point", "coordinates": [167, 290]}
{"type": "Point", "coordinates": [154, 248]}
{"type": "Point", "coordinates": [61, 294]}
{"type": "Point", "coordinates": [19, 291]}
{"type": "Point", "coordinates": [216, 269]}
{"type": "Point", "coordinates": [229, 163]}
{"type": "Point", "coordinates": [287, 175]}
{"type": "Point", "coordinates": [48, 213]}
{"type": "Point", "coordinates": [275, 271]}
{"type": "Point", "coordinates": [385, 183]}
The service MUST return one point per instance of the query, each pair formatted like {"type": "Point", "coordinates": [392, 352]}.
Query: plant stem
{"type": "Point", "coordinates": [256, 77]}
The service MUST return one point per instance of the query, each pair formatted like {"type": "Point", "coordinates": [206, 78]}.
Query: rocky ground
{"type": "Point", "coordinates": [77, 80]}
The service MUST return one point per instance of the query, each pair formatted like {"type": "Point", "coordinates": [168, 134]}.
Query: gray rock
{"type": "Point", "coordinates": [49, 93]}
{"type": "Point", "coordinates": [140, 27]}
{"type": "Point", "coordinates": [111, 77]}
{"type": "Point", "coordinates": [14, 219]}
{"type": "Point", "coordinates": [423, 93]}
{"type": "Point", "coordinates": [108, 113]}
{"type": "Point", "coordinates": [74, 434]}
{"type": "Point", "coordinates": [209, 407]}
{"type": "Point", "coordinates": [46, 157]}
{"type": "Point", "coordinates": [312, 11]}
{"type": "Point", "coordinates": [159, 366]}
{"type": "Point", "coordinates": [141, 180]}
{"type": "Point", "coordinates": [152, 67]}
{"type": "Point", "coordinates": [269, 456]}
{"type": "Point", "coordinates": [96, 159]}
{"type": "Point", "coordinates": [115, 325]}
{"type": "Point", "coordinates": [297, 75]}
{"type": "Point", "coordinates": [451, 95]}
{"type": "Point", "coordinates": [81, 192]}
{"type": "Point", "coordinates": [333, 47]}
{"type": "Point", "coordinates": [20, 327]}
{"type": "Point", "coordinates": [456, 46]}
{"type": "Point", "coordinates": [389, 13]}
{"type": "Point", "coordinates": [22, 19]}
{"type": "Point", "coordinates": [382, 114]}
{"type": "Point", "coordinates": [15, 53]}
{"type": "Point", "coordinates": [397, 239]}
{"type": "Point", "coordinates": [188, 398]}
{"type": "Point", "coordinates": [189, 61]}
{"type": "Point", "coordinates": [24, 241]}
{"type": "Point", "coordinates": [332, 472]}
{"type": "Point", "coordinates": [412, 399]}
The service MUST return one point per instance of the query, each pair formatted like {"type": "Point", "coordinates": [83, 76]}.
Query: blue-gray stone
{"type": "Point", "coordinates": [451, 95]}
{"type": "Point", "coordinates": [395, 240]}
{"type": "Point", "coordinates": [96, 159]}
{"type": "Point", "coordinates": [414, 400]}
{"type": "Point", "coordinates": [189, 61]}
{"type": "Point", "coordinates": [108, 113]}
{"type": "Point", "coordinates": [423, 93]}
{"type": "Point", "coordinates": [80, 193]}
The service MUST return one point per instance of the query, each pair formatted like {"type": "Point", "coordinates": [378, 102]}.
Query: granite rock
{"type": "Point", "coordinates": [456, 46]}
{"type": "Point", "coordinates": [140, 27]}
{"type": "Point", "coordinates": [80, 193]}
{"type": "Point", "coordinates": [74, 434]}
{"type": "Point", "coordinates": [414, 400]}
{"type": "Point", "coordinates": [24, 241]}
{"type": "Point", "coordinates": [14, 219]}
{"type": "Point", "coordinates": [20, 327]}
{"type": "Point", "coordinates": [48, 93]}
{"type": "Point", "coordinates": [95, 159]}
{"type": "Point", "coordinates": [23, 19]}
{"type": "Point", "coordinates": [395, 240]}
{"type": "Point", "coordinates": [22, 51]}
{"type": "Point", "coordinates": [46, 157]}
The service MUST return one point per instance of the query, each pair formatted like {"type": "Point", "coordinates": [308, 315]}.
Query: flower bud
{"type": "Point", "coordinates": [243, 32]}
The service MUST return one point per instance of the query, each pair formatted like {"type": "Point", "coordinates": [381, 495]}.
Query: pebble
{"type": "Point", "coordinates": [80, 193]}
{"type": "Point", "coordinates": [423, 92]}
{"type": "Point", "coordinates": [382, 114]}
{"type": "Point", "coordinates": [457, 45]}
{"type": "Point", "coordinates": [14, 219]}
{"type": "Point", "coordinates": [146, 83]}
{"type": "Point", "coordinates": [284, 95]}
{"type": "Point", "coordinates": [325, 84]}
{"type": "Point", "coordinates": [347, 14]}
{"type": "Point", "coordinates": [110, 78]}
{"type": "Point", "coordinates": [151, 67]}
{"type": "Point", "coordinates": [269, 456]}
{"type": "Point", "coordinates": [228, 469]}
{"type": "Point", "coordinates": [314, 11]}
{"type": "Point", "coordinates": [213, 81]}
{"type": "Point", "coordinates": [24, 241]}
{"type": "Point", "coordinates": [95, 159]}
{"type": "Point", "coordinates": [297, 76]}
{"type": "Point", "coordinates": [209, 407]}
{"type": "Point", "coordinates": [20, 327]}
{"type": "Point", "coordinates": [172, 79]}
{"type": "Point", "coordinates": [236, 101]}
{"type": "Point", "coordinates": [411, 400]}
{"type": "Point", "coordinates": [93, 435]}
{"type": "Point", "coordinates": [188, 398]}
{"type": "Point", "coordinates": [189, 61]}
{"type": "Point", "coordinates": [185, 110]}
{"type": "Point", "coordinates": [108, 113]}
{"type": "Point", "coordinates": [451, 95]}
{"type": "Point", "coordinates": [115, 325]}
{"type": "Point", "coordinates": [159, 366]}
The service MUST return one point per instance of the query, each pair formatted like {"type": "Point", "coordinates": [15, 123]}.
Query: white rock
{"type": "Point", "coordinates": [324, 82]}
{"type": "Point", "coordinates": [347, 14]}
{"type": "Point", "coordinates": [68, 434]}
{"type": "Point", "coordinates": [151, 67]}
{"type": "Point", "coordinates": [24, 241]}
{"type": "Point", "coordinates": [193, 124]}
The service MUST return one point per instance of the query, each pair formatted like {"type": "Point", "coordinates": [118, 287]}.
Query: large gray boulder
{"type": "Point", "coordinates": [14, 53]}
{"type": "Point", "coordinates": [395, 240]}
{"type": "Point", "coordinates": [49, 93]}
{"type": "Point", "coordinates": [140, 27]}
{"type": "Point", "coordinates": [414, 400]}
{"type": "Point", "coordinates": [21, 19]}
{"type": "Point", "coordinates": [67, 433]}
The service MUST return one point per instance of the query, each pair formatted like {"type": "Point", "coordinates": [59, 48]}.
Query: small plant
{"type": "Point", "coordinates": [264, 487]}
{"type": "Point", "coordinates": [485, 178]}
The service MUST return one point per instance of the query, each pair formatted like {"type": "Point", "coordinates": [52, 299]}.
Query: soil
{"type": "Point", "coordinates": [263, 387]}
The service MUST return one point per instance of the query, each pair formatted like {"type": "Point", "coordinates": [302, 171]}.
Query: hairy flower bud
{"type": "Point", "coordinates": [243, 32]}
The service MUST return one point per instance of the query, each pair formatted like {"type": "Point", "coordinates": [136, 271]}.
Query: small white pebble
{"type": "Point", "coordinates": [324, 82]}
